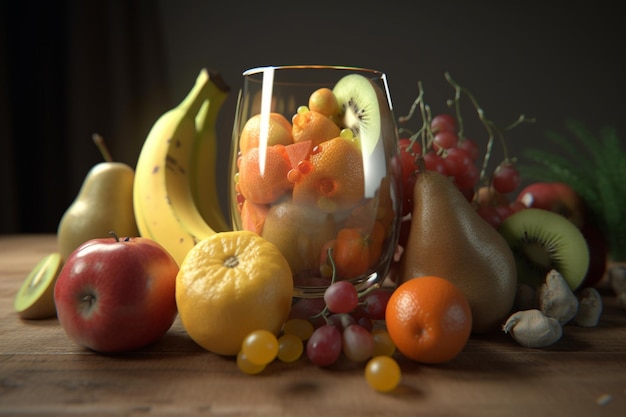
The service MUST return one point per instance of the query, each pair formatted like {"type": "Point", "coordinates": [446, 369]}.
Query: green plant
{"type": "Point", "coordinates": [594, 165]}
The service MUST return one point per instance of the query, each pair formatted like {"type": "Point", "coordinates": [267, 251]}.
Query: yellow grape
{"type": "Point", "coordinates": [383, 373]}
{"type": "Point", "coordinates": [248, 367]}
{"type": "Point", "coordinates": [260, 347]}
{"type": "Point", "coordinates": [302, 328]}
{"type": "Point", "coordinates": [290, 348]}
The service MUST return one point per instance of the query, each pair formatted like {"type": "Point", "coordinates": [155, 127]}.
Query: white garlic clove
{"type": "Point", "coordinates": [617, 279]}
{"type": "Point", "coordinates": [556, 299]}
{"type": "Point", "coordinates": [533, 329]}
{"type": "Point", "coordinates": [589, 307]}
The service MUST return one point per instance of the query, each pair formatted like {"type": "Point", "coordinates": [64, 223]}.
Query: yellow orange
{"type": "Point", "coordinates": [230, 285]}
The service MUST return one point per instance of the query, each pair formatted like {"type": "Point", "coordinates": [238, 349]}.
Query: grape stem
{"type": "Point", "coordinates": [490, 126]}
{"type": "Point", "coordinates": [425, 133]}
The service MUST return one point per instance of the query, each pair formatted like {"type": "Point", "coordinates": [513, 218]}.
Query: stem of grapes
{"type": "Point", "coordinates": [491, 128]}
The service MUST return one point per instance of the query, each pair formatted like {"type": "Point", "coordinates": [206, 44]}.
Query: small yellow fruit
{"type": "Point", "coordinates": [229, 285]}
{"type": "Point", "coordinates": [278, 132]}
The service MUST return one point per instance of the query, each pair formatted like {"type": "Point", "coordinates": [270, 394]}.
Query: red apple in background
{"type": "Point", "coordinates": [116, 295]}
{"type": "Point", "coordinates": [557, 197]}
{"type": "Point", "coordinates": [598, 254]}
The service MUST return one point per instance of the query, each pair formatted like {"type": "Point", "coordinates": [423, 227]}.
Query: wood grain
{"type": "Point", "coordinates": [43, 373]}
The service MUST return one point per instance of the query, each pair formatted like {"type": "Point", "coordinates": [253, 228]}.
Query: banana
{"type": "Point", "coordinates": [164, 207]}
{"type": "Point", "coordinates": [203, 162]}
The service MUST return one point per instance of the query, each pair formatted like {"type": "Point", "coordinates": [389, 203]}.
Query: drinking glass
{"type": "Point", "coordinates": [314, 171]}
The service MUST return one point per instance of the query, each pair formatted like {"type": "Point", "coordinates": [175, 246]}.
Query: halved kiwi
{"type": "Point", "coordinates": [363, 110]}
{"type": "Point", "coordinates": [359, 109]}
{"type": "Point", "coordinates": [35, 298]}
{"type": "Point", "coordinates": [541, 241]}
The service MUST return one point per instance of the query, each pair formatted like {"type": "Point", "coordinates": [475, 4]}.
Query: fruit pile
{"type": "Point", "coordinates": [303, 185]}
{"type": "Point", "coordinates": [472, 260]}
{"type": "Point", "coordinates": [368, 328]}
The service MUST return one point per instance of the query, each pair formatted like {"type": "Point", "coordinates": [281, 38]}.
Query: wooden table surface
{"type": "Point", "coordinates": [43, 373]}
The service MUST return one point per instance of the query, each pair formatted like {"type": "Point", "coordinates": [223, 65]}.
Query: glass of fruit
{"type": "Point", "coordinates": [314, 171]}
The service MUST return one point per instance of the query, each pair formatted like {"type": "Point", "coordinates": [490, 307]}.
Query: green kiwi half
{"type": "Point", "coordinates": [542, 240]}
{"type": "Point", "coordinates": [359, 109]}
{"type": "Point", "coordinates": [35, 298]}
{"type": "Point", "coordinates": [363, 109]}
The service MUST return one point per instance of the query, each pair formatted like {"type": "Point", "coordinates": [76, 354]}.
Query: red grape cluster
{"type": "Point", "coordinates": [345, 322]}
{"type": "Point", "coordinates": [440, 145]}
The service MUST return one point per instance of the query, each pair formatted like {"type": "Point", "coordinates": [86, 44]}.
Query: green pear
{"type": "Point", "coordinates": [450, 240]}
{"type": "Point", "coordinates": [104, 203]}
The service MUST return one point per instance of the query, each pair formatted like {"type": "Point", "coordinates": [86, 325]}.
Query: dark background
{"type": "Point", "coordinates": [72, 68]}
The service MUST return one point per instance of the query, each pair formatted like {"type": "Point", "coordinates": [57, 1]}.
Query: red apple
{"type": "Point", "coordinates": [116, 295]}
{"type": "Point", "coordinates": [557, 197]}
{"type": "Point", "coordinates": [598, 253]}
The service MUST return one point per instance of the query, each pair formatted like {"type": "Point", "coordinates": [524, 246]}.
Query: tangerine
{"type": "Point", "coordinates": [429, 319]}
{"type": "Point", "coordinates": [335, 180]}
{"type": "Point", "coordinates": [263, 179]}
{"type": "Point", "coordinates": [357, 249]}
{"type": "Point", "coordinates": [278, 132]}
{"type": "Point", "coordinates": [313, 126]}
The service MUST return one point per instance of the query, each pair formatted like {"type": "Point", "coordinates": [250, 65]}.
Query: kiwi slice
{"type": "Point", "coordinates": [359, 109]}
{"type": "Point", "coordinates": [35, 298]}
{"type": "Point", "coordinates": [362, 109]}
{"type": "Point", "coordinates": [542, 240]}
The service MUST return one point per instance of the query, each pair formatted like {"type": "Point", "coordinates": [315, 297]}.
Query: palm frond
{"type": "Point", "coordinates": [570, 153]}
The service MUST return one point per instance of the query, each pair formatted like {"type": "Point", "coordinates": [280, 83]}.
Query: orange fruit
{"type": "Point", "coordinates": [313, 126]}
{"type": "Point", "coordinates": [264, 183]}
{"type": "Point", "coordinates": [278, 132]}
{"type": "Point", "coordinates": [429, 319]}
{"type": "Point", "coordinates": [379, 208]}
{"type": "Point", "coordinates": [230, 285]}
{"type": "Point", "coordinates": [335, 180]}
{"type": "Point", "coordinates": [355, 250]}
{"type": "Point", "coordinates": [253, 216]}
{"type": "Point", "coordinates": [323, 100]}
